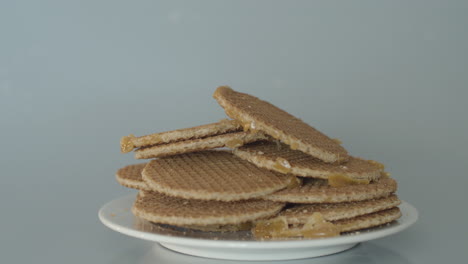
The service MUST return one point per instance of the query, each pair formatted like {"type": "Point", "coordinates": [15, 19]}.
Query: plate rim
{"type": "Point", "coordinates": [409, 216]}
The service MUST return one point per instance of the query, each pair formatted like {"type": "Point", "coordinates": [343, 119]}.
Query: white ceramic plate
{"type": "Point", "coordinates": [239, 245]}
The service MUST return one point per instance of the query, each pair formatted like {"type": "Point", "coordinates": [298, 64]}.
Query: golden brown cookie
{"type": "Point", "coordinates": [130, 176]}
{"type": "Point", "coordinates": [280, 157]}
{"type": "Point", "coordinates": [159, 208]}
{"type": "Point", "coordinates": [298, 214]}
{"type": "Point", "coordinates": [318, 191]}
{"type": "Point", "coordinates": [318, 227]}
{"type": "Point", "coordinates": [231, 140]}
{"type": "Point", "coordinates": [131, 142]}
{"type": "Point", "coordinates": [211, 175]}
{"type": "Point", "coordinates": [368, 220]}
{"type": "Point", "coordinates": [258, 115]}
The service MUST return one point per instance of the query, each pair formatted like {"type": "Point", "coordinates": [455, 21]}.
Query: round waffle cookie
{"type": "Point", "coordinates": [368, 220]}
{"type": "Point", "coordinates": [299, 214]}
{"type": "Point", "coordinates": [160, 208]}
{"type": "Point", "coordinates": [260, 115]}
{"type": "Point", "coordinates": [280, 157]}
{"type": "Point", "coordinates": [233, 139]}
{"type": "Point", "coordinates": [130, 176]}
{"type": "Point", "coordinates": [211, 175]}
{"type": "Point", "coordinates": [130, 142]}
{"type": "Point", "coordinates": [318, 191]}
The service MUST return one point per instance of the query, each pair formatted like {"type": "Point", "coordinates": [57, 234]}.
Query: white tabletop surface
{"type": "Point", "coordinates": [389, 79]}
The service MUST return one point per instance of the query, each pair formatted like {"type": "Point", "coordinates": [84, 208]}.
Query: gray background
{"type": "Point", "coordinates": [388, 79]}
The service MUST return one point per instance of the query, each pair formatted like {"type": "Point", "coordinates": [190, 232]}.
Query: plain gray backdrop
{"type": "Point", "coordinates": [387, 78]}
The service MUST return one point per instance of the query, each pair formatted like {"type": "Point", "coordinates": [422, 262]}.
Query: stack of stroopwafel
{"type": "Point", "coordinates": [271, 173]}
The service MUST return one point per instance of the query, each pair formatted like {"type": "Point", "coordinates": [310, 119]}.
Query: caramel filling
{"type": "Point", "coordinates": [246, 126]}
{"type": "Point", "coordinates": [340, 180]}
{"type": "Point", "coordinates": [294, 145]}
{"type": "Point", "coordinates": [275, 134]}
{"type": "Point", "coordinates": [250, 127]}
{"type": "Point", "coordinates": [315, 227]}
{"type": "Point", "coordinates": [126, 143]}
{"type": "Point", "coordinates": [295, 182]}
{"type": "Point", "coordinates": [234, 143]}
{"type": "Point", "coordinates": [232, 114]}
{"type": "Point", "coordinates": [271, 228]}
{"type": "Point", "coordinates": [282, 165]}
{"type": "Point", "coordinates": [228, 123]}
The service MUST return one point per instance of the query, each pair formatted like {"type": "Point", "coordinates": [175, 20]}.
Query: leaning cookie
{"type": "Point", "coordinates": [259, 115]}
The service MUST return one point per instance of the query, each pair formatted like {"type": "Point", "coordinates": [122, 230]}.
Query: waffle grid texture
{"type": "Point", "coordinates": [298, 214]}
{"type": "Point", "coordinates": [130, 176]}
{"type": "Point", "coordinates": [368, 220]}
{"type": "Point", "coordinates": [279, 124]}
{"type": "Point", "coordinates": [193, 145]}
{"type": "Point", "coordinates": [211, 175]}
{"type": "Point", "coordinates": [318, 191]}
{"type": "Point", "coordinates": [128, 143]}
{"type": "Point", "coordinates": [265, 154]}
{"type": "Point", "coordinates": [160, 208]}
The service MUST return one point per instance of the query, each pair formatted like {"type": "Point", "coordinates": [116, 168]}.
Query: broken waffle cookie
{"type": "Point", "coordinates": [258, 115]}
